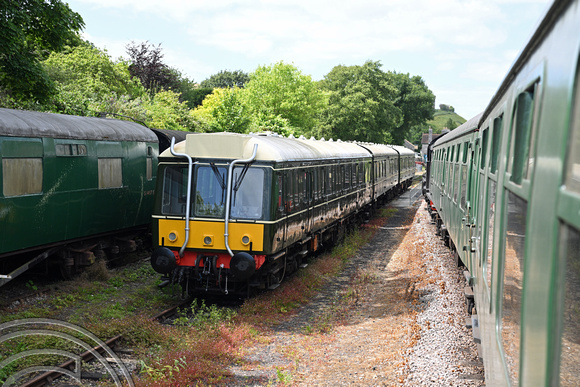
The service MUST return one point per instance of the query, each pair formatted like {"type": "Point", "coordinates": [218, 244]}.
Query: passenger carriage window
{"type": "Point", "coordinates": [515, 217]}
{"type": "Point", "coordinates": [521, 145]}
{"type": "Point", "coordinates": [463, 202]}
{"type": "Point", "coordinates": [488, 251]}
{"type": "Point", "coordinates": [347, 176]}
{"type": "Point", "coordinates": [570, 342]}
{"type": "Point", "coordinates": [328, 182]}
{"type": "Point", "coordinates": [449, 180]}
{"type": "Point", "coordinates": [456, 175]}
{"type": "Point", "coordinates": [288, 193]}
{"type": "Point", "coordinates": [484, 135]}
{"type": "Point", "coordinates": [22, 167]}
{"type": "Point", "coordinates": [71, 149]}
{"type": "Point", "coordinates": [279, 192]}
{"type": "Point", "coordinates": [301, 188]}
{"type": "Point", "coordinates": [464, 170]}
{"type": "Point", "coordinates": [315, 184]}
{"type": "Point", "coordinates": [321, 181]}
{"type": "Point", "coordinates": [445, 171]}
{"type": "Point", "coordinates": [496, 137]}
{"type": "Point", "coordinates": [279, 188]}
{"type": "Point", "coordinates": [110, 172]}
{"type": "Point", "coordinates": [295, 191]}
{"type": "Point", "coordinates": [22, 176]}
{"type": "Point", "coordinates": [149, 169]}
{"type": "Point", "coordinates": [149, 165]}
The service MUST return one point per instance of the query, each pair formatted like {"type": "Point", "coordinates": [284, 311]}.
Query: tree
{"type": "Point", "coordinates": [280, 93]}
{"type": "Point", "coordinates": [415, 101]}
{"type": "Point", "coordinates": [165, 111]}
{"type": "Point", "coordinates": [223, 111]}
{"type": "Point", "coordinates": [450, 124]}
{"type": "Point", "coordinates": [446, 108]}
{"type": "Point", "coordinates": [29, 28]}
{"type": "Point", "coordinates": [361, 104]}
{"type": "Point", "coordinates": [226, 78]}
{"type": "Point", "coordinates": [194, 96]}
{"type": "Point", "coordinates": [85, 76]}
{"type": "Point", "coordinates": [147, 66]}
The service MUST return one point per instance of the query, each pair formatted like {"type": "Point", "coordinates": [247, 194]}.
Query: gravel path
{"type": "Point", "coordinates": [395, 316]}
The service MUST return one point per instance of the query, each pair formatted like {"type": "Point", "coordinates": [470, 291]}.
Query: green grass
{"type": "Point", "coordinates": [440, 120]}
{"type": "Point", "coordinates": [205, 340]}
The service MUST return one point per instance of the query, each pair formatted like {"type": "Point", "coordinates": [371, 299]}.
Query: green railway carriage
{"type": "Point", "coordinates": [506, 188]}
{"type": "Point", "coordinates": [68, 182]}
{"type": "Point", "coordinates": [405, 167]}
{"type": "Point", "coordinates": [258, 205]}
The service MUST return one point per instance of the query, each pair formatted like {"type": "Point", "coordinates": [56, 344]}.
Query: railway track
{"type": "Point", "coordinates": [104, 349]}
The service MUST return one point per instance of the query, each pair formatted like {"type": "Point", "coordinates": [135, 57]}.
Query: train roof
{"type": "Point", "coordinates": [379, 149]}
{"type": "Point", "coordinates": [270, 147]}
{"type": "Point", "coordinates": [403, 150]}
{"type": "Point", "coordinates": [469, 126]}
{"type": "Point", "coordinates": [22, 123]}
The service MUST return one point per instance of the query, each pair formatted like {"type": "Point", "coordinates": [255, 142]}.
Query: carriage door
{"type": "Point", "coordinates": [468, 194]}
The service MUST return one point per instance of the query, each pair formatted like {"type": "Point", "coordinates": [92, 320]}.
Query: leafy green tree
{"type": "Point", "coordinates": [226, 78]}
{"type": "Point", "coordinates": [194, 96]}
{"type": "Point", "coordinates": [86, 76]}
{"type": "Point", "coordinates": [223, 111]}
{"type": "Point", "coordinates": [415, 101]}
{"type": "Point", "coordinates": [361, 105]}
{"type": "Point", "coordinates": [280, 94]}
{"type": "Point", "coordinates": [165, 111]}
{"type": "Point", "coordinates": [28, 28]}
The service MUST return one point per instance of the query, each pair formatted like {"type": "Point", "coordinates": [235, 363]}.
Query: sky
{"type": "Point", "coordinates": [461, 48]}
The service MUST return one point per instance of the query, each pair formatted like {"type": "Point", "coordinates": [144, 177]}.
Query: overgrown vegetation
{"type": "Point", "coordinates": [60, 73]}
{"type": "Point", "coordinates": [204, 340]}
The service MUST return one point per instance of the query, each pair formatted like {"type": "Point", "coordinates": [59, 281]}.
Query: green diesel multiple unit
{"type": "Point", "coordinates": [259, 204]}
{"type": "Point", "coordinates": [68, 183]}
{"type": "Point", "coordinates": [505, 190]}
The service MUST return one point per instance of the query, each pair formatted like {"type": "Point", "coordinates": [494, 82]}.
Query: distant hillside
{"type": "Point", "coordinates": [441, 118]}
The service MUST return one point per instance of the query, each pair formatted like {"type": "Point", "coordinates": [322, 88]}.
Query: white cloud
{"type": "Point", "coordinates": [470, 42]}
{"type": "Point", "coordinates": [115, 48]}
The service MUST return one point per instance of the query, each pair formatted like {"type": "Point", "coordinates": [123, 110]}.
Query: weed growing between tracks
{"type": "Point", "coordinates": [203, 347]}
{"type": "Point", "coordinates": [198, 349]}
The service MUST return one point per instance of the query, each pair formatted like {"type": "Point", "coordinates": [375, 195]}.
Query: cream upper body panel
{"type": "Point", "coordinates": [270, 147]}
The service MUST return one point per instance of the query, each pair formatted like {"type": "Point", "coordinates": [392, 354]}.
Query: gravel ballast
{"type": "Point", "coordinates": [405, 320]}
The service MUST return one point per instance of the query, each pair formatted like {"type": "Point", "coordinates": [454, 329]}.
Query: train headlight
{"type": "Point", "coordinates": [245, 240]}
{"type": "Point", "coordinates": [208, 240]}
{"type": "Point", "coordinates": [172, 236]}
